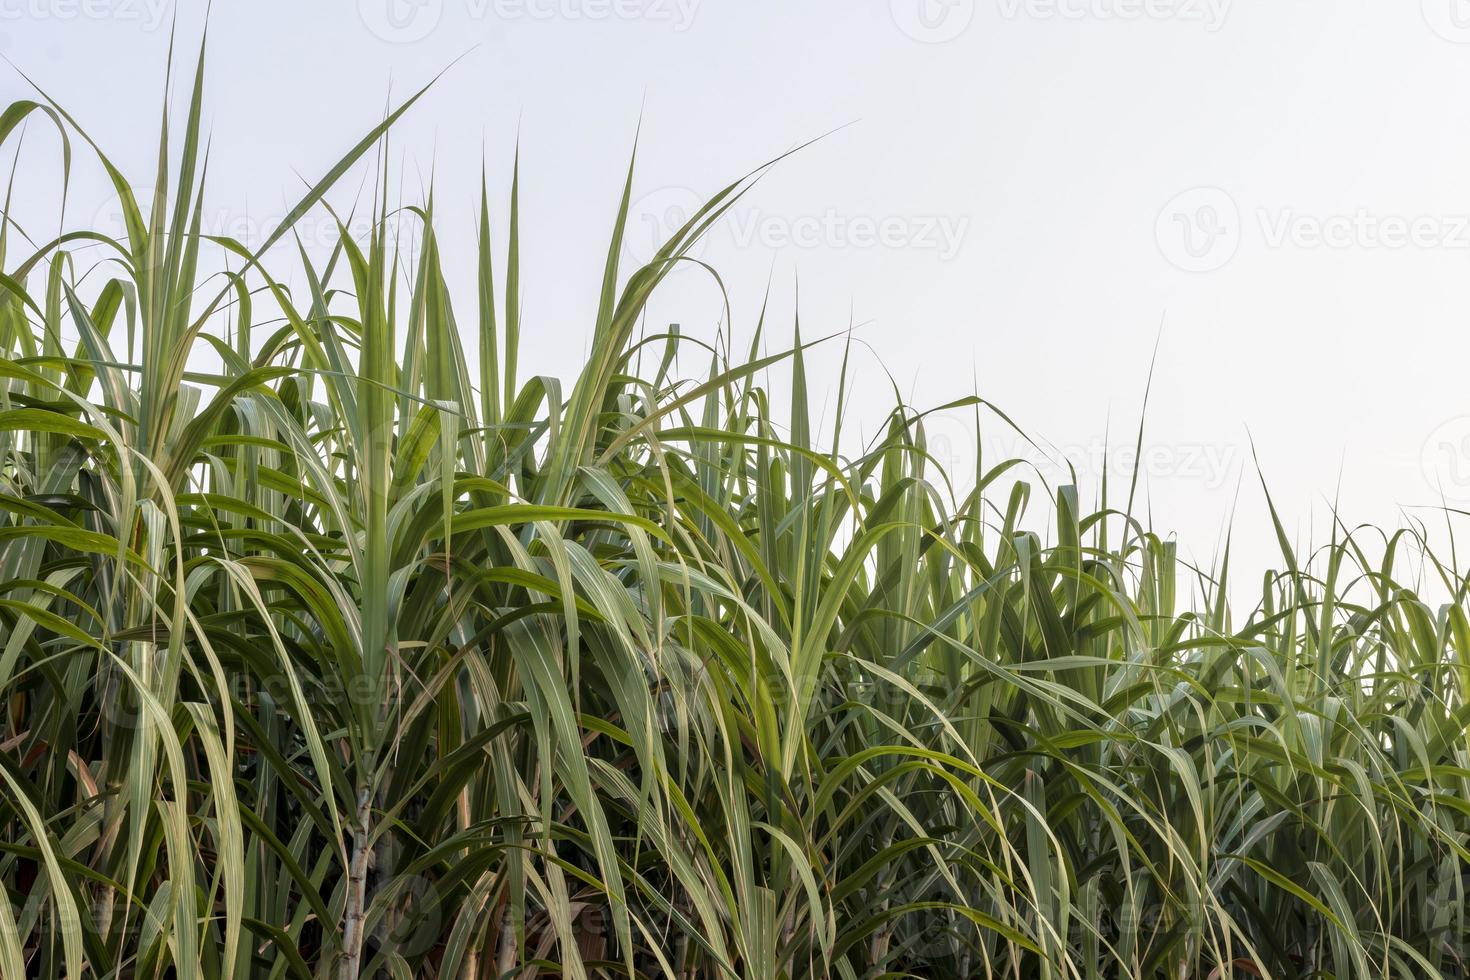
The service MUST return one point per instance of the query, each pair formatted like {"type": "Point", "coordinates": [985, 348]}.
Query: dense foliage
{"type": "Point", "coordinates": [345, 659]}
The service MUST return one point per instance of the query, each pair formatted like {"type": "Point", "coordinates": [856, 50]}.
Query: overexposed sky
{"type": "Point", "coordinates": [1020, 197]}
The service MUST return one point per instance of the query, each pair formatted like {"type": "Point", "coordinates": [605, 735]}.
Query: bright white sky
{"type": "Point", "coordinates": [1024, 195]}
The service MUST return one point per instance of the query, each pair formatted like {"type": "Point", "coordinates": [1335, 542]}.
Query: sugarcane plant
{"type": "Point", "coordinates": [329, 648]}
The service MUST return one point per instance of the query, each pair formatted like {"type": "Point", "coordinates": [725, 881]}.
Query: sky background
{"type": "Point", "coordinates": [1019, 198]}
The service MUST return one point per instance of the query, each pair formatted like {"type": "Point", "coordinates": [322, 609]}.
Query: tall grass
{"type": "Point", "coordinates": [340, 660]}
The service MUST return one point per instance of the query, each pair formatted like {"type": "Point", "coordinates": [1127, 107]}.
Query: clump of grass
{"type": "Point", "coordinates": [340, 660]}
